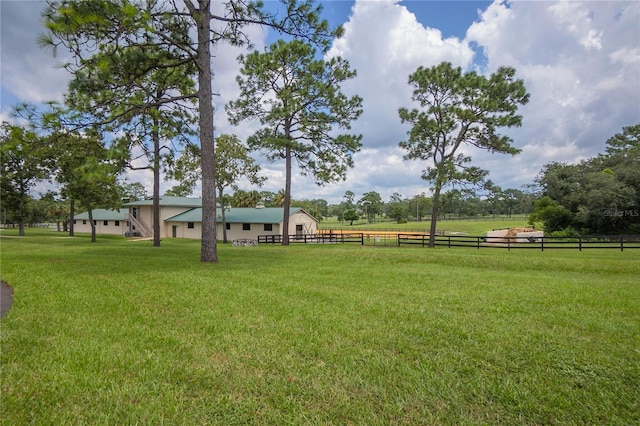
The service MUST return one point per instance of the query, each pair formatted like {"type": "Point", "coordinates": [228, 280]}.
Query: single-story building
{"type": "Point", "coordinates": [243, 223]}
{"type": "Point", "coordinates": [113, 222]}
{"type": "Point", "coordinates": [182, 218]}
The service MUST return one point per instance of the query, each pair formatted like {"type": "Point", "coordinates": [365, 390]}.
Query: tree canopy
{"type": "Point", "coordinates": [458, 109]}
{"type": "Point", "coordinates": [24, 160]}
{"type": "Point", "coordinates": [232, 163]}
{"type": "Point", "coordinates": [185, 31]}
{"type": "Point", "coordinates": [600, 195]}
{"type": "Point", "coordinates": [297, 98]}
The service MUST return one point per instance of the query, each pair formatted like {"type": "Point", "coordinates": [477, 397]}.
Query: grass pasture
{"type": "Point", "coordinates": [473, 226]}
{"type": "Point", "coordinates": [119, 332]}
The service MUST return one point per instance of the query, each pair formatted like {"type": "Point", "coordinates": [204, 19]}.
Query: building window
{"type": "Point", "coordinates": [190, 225]}
{"type": "Point", "coordinates": [246, 227]}
{"type": "Point", "coordinates": [268, 227]}
{"type": "Point", "coordinates": [95, 223]}
{"type": "Point", "coordinates": [117, 223]}
{"type": "Point", "coordinates": [228, 225]}
{"type": "Point", "coordinates": [105, 222]}
{"type": "Point", "coordinates": [74, 221]}
{"type": "Point", "coordinates": [84, 222]}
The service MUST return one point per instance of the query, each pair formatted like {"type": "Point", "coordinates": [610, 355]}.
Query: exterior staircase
{"type": "Point", "coordinates": [139, 227]}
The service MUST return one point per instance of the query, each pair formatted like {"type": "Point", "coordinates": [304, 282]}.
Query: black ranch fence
{"type": "Point", "coordinates": [314, 238]}
{"type": "Point", "coordinates": [621, 242]}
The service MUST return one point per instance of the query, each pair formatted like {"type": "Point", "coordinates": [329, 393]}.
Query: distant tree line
{"type": "Point", "coordinates": [600, 195]}
{"type": "Point", "coordinates": [455, 204]}
{"type": "Point", "coordinates": [140, 97]}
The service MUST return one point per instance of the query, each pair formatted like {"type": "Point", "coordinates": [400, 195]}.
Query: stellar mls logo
{"type": "Point", "coordinates": [622, 213]}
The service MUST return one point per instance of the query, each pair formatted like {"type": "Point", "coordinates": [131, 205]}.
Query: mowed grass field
{"type": "Point", "coordinates": [119, 332]}
{"type": "Point", "coordinates": [476, 227]}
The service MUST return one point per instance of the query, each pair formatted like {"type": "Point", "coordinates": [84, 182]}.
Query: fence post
{"type": "Point", "coordinates": [542, 245]}
{"type": "Point", "coordinates": [579, 243]}
{"type": "Point", "coordinates": [621, 242]}
{"type": "Point", "coordinates": [508, 243]}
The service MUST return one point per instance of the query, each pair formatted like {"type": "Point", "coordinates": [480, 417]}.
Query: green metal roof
{"type": "Point", "coordinates": [238, 215]}
{"type": "Point", "coordinates": [102, 214]}
{"type": "Point", "coordinates": [169, 201]}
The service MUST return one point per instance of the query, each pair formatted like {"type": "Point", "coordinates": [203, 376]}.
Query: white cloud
{"type": "Point", "coordinates": [385, 43]}
{"type": "Point", "coordinates": [577, 20]}
{"type": "Point", "coordinates": [28, 72]}
{"type": "Point", "coordinates": [580, 61]}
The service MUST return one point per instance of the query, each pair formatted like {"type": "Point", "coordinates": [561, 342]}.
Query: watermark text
{"type": "Point", "coordinates": [621, 213]}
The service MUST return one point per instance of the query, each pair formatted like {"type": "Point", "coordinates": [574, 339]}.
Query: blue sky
{"type": "Point", "coordinates": [452, 17]}
{"type": "Point", "coordinates": [580, 61]}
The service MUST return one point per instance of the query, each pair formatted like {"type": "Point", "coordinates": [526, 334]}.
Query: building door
{"type": "Point", "coordinates": [174, 231]}
{"type": "Point", "coordinates": [299, 231]}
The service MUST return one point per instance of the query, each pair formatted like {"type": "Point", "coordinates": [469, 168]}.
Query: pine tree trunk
{"type": "Point", "coordinates": [287, 197]}
{"type": "Point", "coordinates": [21, 217]}
{"type": "Point", "coordinates": [72, 214]}
{"type": "Point", "coordinates": [93, 226]}
{"type": "Point", "coordinates": [223, 217]}
{"type": "Point", "coordinates": [434, 215]}
{"type": "Point", "coordinates": [156, 181]}
{"type": "Point", "coordinates": [208, 248]}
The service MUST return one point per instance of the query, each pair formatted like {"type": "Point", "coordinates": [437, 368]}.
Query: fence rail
{"type": "Point", "coordinates": [580, 243]}
{"type": "Point", "coordinates": [314, 239]}
{"type": "Point", "coordinates": [620, 242]}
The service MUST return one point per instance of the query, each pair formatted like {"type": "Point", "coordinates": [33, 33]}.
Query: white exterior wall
{"type": "Point", "coordinates": [166, 227]}
{"type": "Point", "coordinates": [183, 230]}
{"type": "Point", "coordinates": [520, 237]}
{"type": "Point", "coordinates": [523, 237]}
{"type": "Point", "coordinates": [145, 216]}
{"type": "Point", "coordinates": [83, 226]}
{"type": "Point", "coordinates": [497, 236]}
{"type": "Point", "coordinates": [236, 232]}
{"type": "Point", "coordinates": [309, 225]}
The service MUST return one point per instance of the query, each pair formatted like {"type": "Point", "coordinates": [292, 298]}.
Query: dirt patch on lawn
{"type": "Point", "coordinates": [6, 298]}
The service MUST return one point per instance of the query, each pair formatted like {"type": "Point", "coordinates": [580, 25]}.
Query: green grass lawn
{"type": "Point", "coordinates": [478, 227]}
{"type": "Point", "coordinates": [119, 332]}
